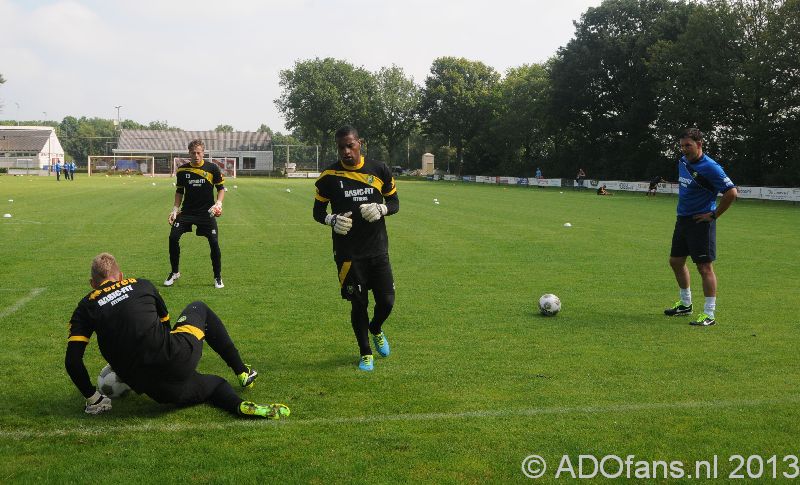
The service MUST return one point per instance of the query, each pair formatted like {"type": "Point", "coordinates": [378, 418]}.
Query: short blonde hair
{"type": "Point", "coordinates": [196, 143]}
{"type": "Point", "coordinates": [104, 265]}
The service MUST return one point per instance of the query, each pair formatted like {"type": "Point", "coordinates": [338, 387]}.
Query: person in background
{"type": "Point", "coordinates": [602, 190]}
{"type": "Point", "coordinates": [579, 177]}
{"type": "Point", "coordinates": [700, 179]}
{"type": "Point", "coordinates": [195, 183]}
{"type": "Point", "coordinates": [654, 185]}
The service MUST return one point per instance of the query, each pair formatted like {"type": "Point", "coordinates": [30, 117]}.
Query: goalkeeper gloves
{"type": "Point", "coordinates": [173, 215]}
{"type": "Point", "coordinates": [341, 223]}
{"type": "Point", "coordinates": [215, 210]}
{"type": "Point", "coordinates": [97, 403]}
{"type": "Point", "coordinates": [373, 212]}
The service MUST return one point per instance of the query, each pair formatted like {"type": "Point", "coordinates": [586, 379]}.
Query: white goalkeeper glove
{"type": "Point", "coordinates": [373, 212]}
{"type": "Point", "coordinates": [215, 210]}
{"type": "Point", "coordinates": [173, 215]}
{"type": "Point", "coordinates": [341, 223]}
{"type": "Point", "coordinates": [97, 403]}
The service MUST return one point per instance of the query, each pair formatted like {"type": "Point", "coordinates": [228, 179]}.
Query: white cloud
{"type": "Point", "coordinates": [200, 63]}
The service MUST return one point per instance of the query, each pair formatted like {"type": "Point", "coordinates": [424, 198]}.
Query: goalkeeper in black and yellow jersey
{"type": "Point", "coordinates": [195, 183]}
{"type": "Point", "coordinates": [134, 335]}
{"type": "Point", "coordinates": [361, 193]}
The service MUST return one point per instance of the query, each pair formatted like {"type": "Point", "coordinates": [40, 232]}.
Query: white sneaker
{"type": "Point", "coordinates": [218, 283]}
{"type": "Point", "coordinates": [171, 278]}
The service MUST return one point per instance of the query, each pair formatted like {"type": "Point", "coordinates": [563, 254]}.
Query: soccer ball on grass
{"type": "Point", "coordinates": [109, 384]}
{"type": "Point", "coordinates": [549, 305]}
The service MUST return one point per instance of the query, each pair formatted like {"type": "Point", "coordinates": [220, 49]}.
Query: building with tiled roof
{"type": "Point", "coordinates": [29, 148]}
{"type": "Point", "coordinates": [249, 151]}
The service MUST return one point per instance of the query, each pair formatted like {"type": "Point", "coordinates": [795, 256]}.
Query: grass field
{"type": "Point", "coordinates": [477, 380]}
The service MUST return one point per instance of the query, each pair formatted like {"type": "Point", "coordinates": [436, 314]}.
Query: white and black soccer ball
{"type": "Point", "coordinates": [109, 384]}
{"type": "Point", "coordinates": [549, 305]}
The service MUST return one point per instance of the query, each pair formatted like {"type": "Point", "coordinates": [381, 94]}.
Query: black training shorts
{"type": "Point", "coordinates": [695, 239]}
{"type": "Point", "coordinates": [178, 381]}
{"type": "Point", "coordinates": [359, 276]}
{"type": "Point", "coordinates": [206, 226]}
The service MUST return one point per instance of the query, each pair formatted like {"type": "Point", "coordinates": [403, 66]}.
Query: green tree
{"type": "Point", "coordinates": [161, 125]}
{"type": "Point", "coordinates": [738, 85]}
{"type": "Point", "coordinates": [132, 125]}
{"type": "Point", "coordinates": [603, 96]}
{"type": "Point", "coordinates": [520, 132]}
{"type": "Point", "coordinates": [86, 136]}
{"type": "Point", "coordinates": [457, 100]}
{"type": "Point", "coordinates": [265, 129]}
{"type": "Point", "coordinates": [395, 109]}
{"type": "Point", "coordinates": [224, 128]}
{"type": "Point", "coordinates": [320, 95]}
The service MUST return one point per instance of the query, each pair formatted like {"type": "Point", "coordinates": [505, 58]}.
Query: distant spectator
{"type": "Point", "coordinates": [72, 168]}
{"type": "Point", "coordinates": [580, 177]}
{"type": "Point", "coordinates": [58, 170]}
{"type": "Point", "coordinates": [65, 170]}
{"type": "Point", "coordinates": [654, 185]}
{"type": "Point", "coordinates": [538, 173]}
{"type": "Point", "coordinates": [602, 191]}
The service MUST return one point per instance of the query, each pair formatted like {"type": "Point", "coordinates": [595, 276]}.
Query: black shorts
{"type": "Point", "coordinates": [206, 226]}
{"type": "Point", "coordinates": [695, 239]}
{"type": "Point", "coordinates": [359, 276]}
{"type": "Point", "coordinates": [654, 186]}
{"type": "Point", "coordinates": [178, 381]}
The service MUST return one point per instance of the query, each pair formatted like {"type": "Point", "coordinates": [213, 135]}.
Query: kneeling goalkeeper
{"type": "Point", "coordinates": [133, 333]}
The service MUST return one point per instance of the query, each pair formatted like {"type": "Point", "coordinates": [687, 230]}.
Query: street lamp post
{"type": "Point", "coordinates": [118, 120]}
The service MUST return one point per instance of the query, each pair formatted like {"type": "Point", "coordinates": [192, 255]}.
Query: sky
{"type": "Point", "coordinates": [202, 63]}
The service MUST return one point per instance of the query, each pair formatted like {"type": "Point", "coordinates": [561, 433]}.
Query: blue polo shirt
{"type": "Point", "coordinates": [699, 184]}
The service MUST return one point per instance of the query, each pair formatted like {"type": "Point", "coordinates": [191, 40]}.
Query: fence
{"type": "Point", "coordinates": [745, 192]}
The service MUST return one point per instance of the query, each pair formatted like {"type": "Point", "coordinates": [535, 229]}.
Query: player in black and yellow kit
{"type": "Point", "coordinates": [134, 335]}
{"type": "Point", "coordinates": [361, 193]}
{"type": "Point", "coordinates": [195, 188]}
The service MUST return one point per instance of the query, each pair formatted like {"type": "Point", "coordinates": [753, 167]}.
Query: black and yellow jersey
{"type": "Point", "coordinates": [197, 184]}
{"type": "Point", "coordinates": [131, 322]}
{"type": "Point", "coordinates": [346, 188]}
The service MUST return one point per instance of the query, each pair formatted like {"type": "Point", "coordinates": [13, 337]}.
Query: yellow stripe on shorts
{"type": "Point", "coordinates": [343, 272]}
{"type": "Point", "coordinates": [190, 329]}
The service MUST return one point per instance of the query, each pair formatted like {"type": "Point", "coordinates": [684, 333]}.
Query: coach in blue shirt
{"type": "Point", "coordinates": [701, 179]}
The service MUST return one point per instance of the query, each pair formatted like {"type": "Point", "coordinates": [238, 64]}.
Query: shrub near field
{"type": "Point", "coordinates": [477, 379]}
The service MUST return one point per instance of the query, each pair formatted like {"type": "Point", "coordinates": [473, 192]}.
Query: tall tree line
{"type": "Point", "coordinates": [611, 101]}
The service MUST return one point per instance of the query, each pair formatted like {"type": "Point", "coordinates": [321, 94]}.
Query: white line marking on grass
{"type": "Point", "coordinates": [22, 301]}
{"type": "Point", "coordinates": [87, 428]}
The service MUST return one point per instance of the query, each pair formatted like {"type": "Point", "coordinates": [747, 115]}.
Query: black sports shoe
{"type": "Point", "coordinates": [678, 309]}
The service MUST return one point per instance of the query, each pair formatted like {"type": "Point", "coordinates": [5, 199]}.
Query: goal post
{"type": "Point", "coordinates": [227, 165]}
{"type": "Point", "coordinates": [122, 164]}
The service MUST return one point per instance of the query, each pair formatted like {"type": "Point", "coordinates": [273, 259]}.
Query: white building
{"type": "Point", "coordinates": [29, 148]}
